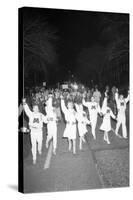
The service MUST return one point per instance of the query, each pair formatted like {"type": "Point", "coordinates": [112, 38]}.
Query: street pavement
{"type": "Point", "coordinates": [65, 171]}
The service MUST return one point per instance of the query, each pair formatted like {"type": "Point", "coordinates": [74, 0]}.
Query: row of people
{"type": "Point", "coordinates": [75, 116]}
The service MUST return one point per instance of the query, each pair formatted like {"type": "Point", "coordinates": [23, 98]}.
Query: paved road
{"type": "Point", "coordinates": [65, 171]}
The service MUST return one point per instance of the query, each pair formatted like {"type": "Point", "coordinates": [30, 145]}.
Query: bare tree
{"type": "Point", "coordinates": [39, 44]}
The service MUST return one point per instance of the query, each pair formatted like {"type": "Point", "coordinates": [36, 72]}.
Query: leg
{"type": "Point", "coordinates": [107, 137]}
{"type": "Point", "coordinates": [124, 128]}
{"type": "Point", "coordinates": [47, 141]}
{"type": "Point", "coordinates": [80, 143]}
{"type": "Point", "coordinates": [117, 127]}
{"type": "Point", "coordinates": [39, 140]}
{"type": "Point", "coordinates": [49, 134]}
{"type": "Point", "coordinates": [55, 142]}
{"type": "Point", "coordinates": [83, 139]}
{"type": "Point", "coordinates": [70, 145]}
{"type": "Point", "coordinates": [74, 146]}
{"type": "Point", "coordinates": [33, 149]}
{"type": "Point", "coordinates": [93, 127]}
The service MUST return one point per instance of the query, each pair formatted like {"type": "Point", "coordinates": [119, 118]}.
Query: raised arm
{"type": "Point", "coordinates": [86, 104]}
{"type": "Point", "coordinates": [20, 109]}
{"type": "Point", "coordinates": [127, 99]}
{"type": "Point", "coordinates": [116, 97]}
{"type": "Point", "coordinates": [63, 106]}
{"type": "Point", "coordinates": [77, 107]}
{"type": "Point", "coordinates": [27, 109]}
{"type": "Point", "coordinates": [99, 109]}
{"type": "Point", "coordinates": [104, 105]}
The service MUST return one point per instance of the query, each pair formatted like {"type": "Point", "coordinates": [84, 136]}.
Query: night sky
{"type": "Point", "coordinates": [75, 30]}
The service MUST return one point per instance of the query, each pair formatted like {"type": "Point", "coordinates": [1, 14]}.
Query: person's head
{"type": "Point", "coordinates": [70, 105]}
{"type": "Point", "coordinates": [35, 108]}
{"type": "Point", "coordinates": [96, 87]}
{"type": "Point", "coordinates": [92, 99]}
{"type": "Point", "coordinates": [107, 87]}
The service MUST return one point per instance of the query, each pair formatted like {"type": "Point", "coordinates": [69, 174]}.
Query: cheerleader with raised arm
{"type": "Point", "coordinates": [121, 103]}
{"type": "Point", "coordinates": [94, 109]}
{"type": "Point", "coordinates": [51, 124]}
{"type": "Point", "coordinates": [70, 129]}
{"type": "Point", "coordinates": [107, 114]}
{"type": "Point", "coordinates": [81, 117]}
{"type": "Point", "coordinates": [36, 120]}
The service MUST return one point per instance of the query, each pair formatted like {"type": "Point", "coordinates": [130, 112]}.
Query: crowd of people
{"type": "Point", "coordinates": [78, 107]}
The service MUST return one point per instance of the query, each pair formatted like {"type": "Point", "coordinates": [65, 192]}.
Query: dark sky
{"type": "Point", "coordinates": [76, 30]}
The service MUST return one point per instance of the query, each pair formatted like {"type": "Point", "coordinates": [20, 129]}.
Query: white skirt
{"type": "Point", "coordinates": [82, 129]}
{"type": "Point", "coordinates": [70, 131]}
{"type": "Point", "coordinates": [106, 125]}
{"type": "Point", "coordinates": [51, 129]}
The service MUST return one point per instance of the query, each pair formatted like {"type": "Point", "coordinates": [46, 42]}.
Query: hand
{"type": "Point", "coordinates": [23, 100]}
{"type": "Point", "coordinates": [117, 90]}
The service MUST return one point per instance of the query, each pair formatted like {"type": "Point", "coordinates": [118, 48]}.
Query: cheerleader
{"type": "Point", "coordinates": [121, 103]}
{"type": "Point", "coordinates": [93, 109]}
{"type": "Point", "coordinates": [36, 120]}
{"type": "Point", "coordinates": [70, 129]}
{"type": "Point", "coordinates": [82, 122]}
{"type": "Point", "coordinates": [106, 124]}
{"type": "Point", "coordinates": [51, 124]}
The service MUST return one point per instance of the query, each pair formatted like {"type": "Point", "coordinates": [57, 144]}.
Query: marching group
{"type": "Point", "coordinates": [78, 109]}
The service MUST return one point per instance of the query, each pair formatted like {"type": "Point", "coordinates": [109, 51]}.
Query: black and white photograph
{"type": "Point", "coordinates": [74, 100]}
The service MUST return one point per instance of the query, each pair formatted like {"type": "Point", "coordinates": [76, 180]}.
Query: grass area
{"type": "Point", "coordinates": [113, 166]}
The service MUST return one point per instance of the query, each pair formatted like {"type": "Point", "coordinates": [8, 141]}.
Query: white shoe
{"type": "Point", "coordinates": [118, 135]}
{"type": "Point", "coordinates": [94, 137]}
{"type": "Point", "coordinates": [108, 142]}
{"type": "Point", "coordinates": [34, 162]}
{"type": "Point", "coordinates": [125, 137]}
{"type": "Point", "coordinates": [54, 152]}
{"type": "Point", "coordinates": [69, 149]}
{"type": "Point", "coordinates": [80, 148]}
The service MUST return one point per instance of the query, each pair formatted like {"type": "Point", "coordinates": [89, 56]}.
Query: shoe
{"type": "Point", "coordinates": [108, 142]}
{"type": "Point", "coordinates": [34, 162]}
{"type": "Point", "coordinates": [80, 148]}
{"type": "Point", "coordinates": [39, 152]}
{"type": "Point", "coordinates": [125, 137]}
{"type": "Point", "coordinates": [119, 136]}
{"type": "Point", "coordinates": [54, 152]}
{"type": "Point", "coordinates": [69, 149]}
